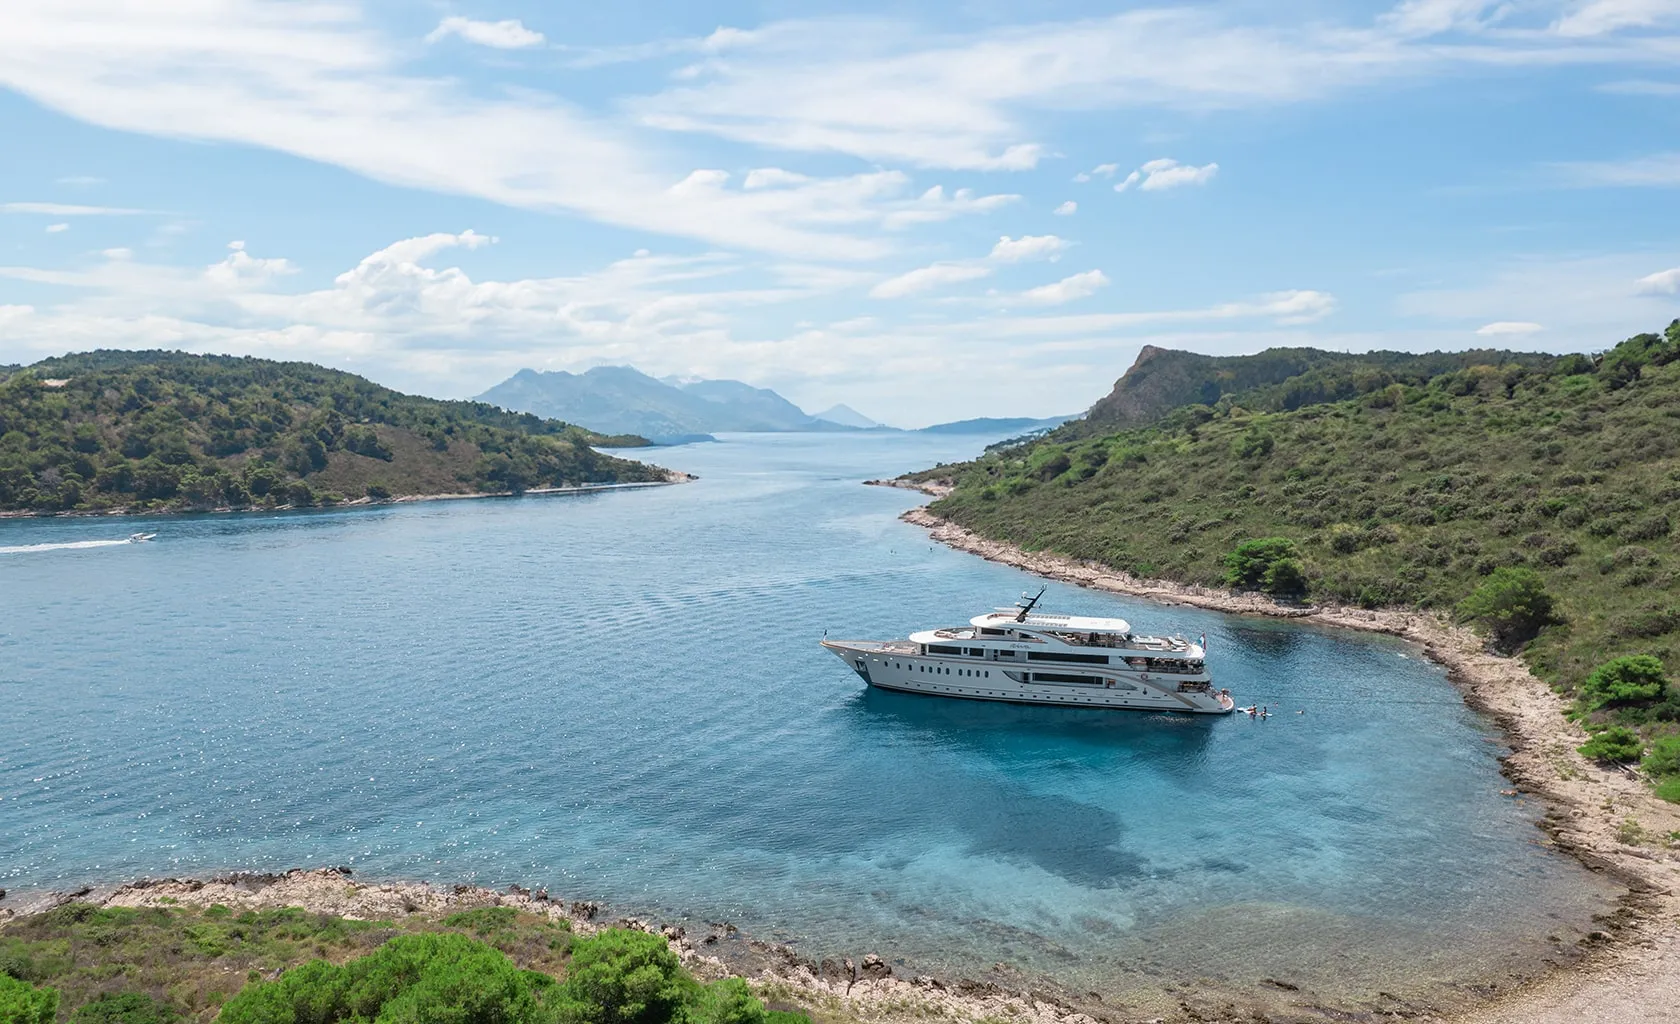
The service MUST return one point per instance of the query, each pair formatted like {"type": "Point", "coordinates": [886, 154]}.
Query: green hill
{"type": "Point", "coordinates": [1395, 492]}
{"type": "Point", "coordinates": [162, 431]}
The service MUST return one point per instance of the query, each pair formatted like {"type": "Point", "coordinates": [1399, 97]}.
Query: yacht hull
{"type": "Point", "coordinates": [898, 665]}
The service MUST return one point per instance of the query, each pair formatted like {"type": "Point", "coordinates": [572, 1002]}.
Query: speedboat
{"type": "Point", "coordinates": [140, 538]}
{"type": "Point", "coordinates": [1025, 656]}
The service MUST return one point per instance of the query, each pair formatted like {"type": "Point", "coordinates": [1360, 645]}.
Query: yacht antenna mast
{"type": "Point", "coordinates": [1029, 605]}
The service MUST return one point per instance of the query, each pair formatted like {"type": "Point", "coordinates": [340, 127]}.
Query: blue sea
{"type": "Point", "coordinates": [620, 696]}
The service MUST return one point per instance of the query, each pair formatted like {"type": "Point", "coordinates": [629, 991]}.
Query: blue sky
{"type": "Point", "coordinates": [925, 210]}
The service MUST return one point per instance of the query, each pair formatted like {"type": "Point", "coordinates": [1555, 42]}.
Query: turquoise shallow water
{"type": "Point", "coordinates": [621, 697]}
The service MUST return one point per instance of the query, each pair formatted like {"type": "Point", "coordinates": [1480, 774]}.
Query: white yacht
{"type": "Point", "coordinates": [1026, 656]}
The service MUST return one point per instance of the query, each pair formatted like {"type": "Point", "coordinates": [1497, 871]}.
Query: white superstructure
{"type": "Point", "coordinates": [1031, 657]}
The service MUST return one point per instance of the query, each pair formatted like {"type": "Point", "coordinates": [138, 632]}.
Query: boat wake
{"type": "Point", "coordinates": [24, 549]}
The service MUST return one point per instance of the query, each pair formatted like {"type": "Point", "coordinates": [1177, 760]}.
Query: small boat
{"type": "Point", "coordinates": [1024, 656]}
{"type": "Point", "coordinates": [140, 538]}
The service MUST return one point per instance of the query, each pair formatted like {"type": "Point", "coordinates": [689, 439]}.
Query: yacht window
{"type": "Point", "coordinates": [1062, 677]}
{"type": "Point", "coordinates": [985, 631]}
{"type": "Point", "coordinates": [976, 652]}
{"type": "Point", "coordinates": [944, 649]}
{"type": "Point", "coordinates": [1084, 659]}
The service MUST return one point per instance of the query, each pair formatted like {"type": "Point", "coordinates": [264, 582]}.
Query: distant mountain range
{"type": "Point", "coordinates": [623, 400]}
{"type": "Point", "coordinates": [665, 412]}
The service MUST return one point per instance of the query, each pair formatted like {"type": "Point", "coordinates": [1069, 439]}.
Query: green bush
{"type": "Point", "coordinates": [1512, 603]}
{"type": "Point", "coordinates": [23, 1003]}
{"type": "Point", "coordinates": [1663, 760]}
{"type": "Point", "coordinates": [1633, 680]}
{"type": "Point", "coordinates": [17, 963]}
{"type": "Point", "coordinates": [624, 977]}
{"type": "Point", "coordinates": [1249, 564]}
{"type": "Point", "coordinates": [1669, 789]}
{"type": "Point", "coordinates": [728, 1001]}
{"type": "Point", "coordinates": [1285, 576]}
{"type": "Point", "coordinates": [412, 979]}
{"type": "Point", "coordinates": [1615, 745]}
{"type": "Point", "coordinates": [125, 1008]}
{"type": "Point", "coordinates": [483, 920]}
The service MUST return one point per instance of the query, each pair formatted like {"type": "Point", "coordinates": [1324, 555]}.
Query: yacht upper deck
{"type": "Point", "coordinates": [1006, 618]}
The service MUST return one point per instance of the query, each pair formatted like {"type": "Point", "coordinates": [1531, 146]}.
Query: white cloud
{"type": "Point", "coordinates": [1007, 250]}
{"type": "Point", "coordinates": [1298, 306]}
{"type": "Point", "coordinates": [773, 177]}
{"type": "Point", "coordinates": [503, 35]}
{"type": "Point", "coordinates": [926, 278]}
{"type": "Point", "coordinates": [117, 253]}
{"type": "Point", "coordinates": [1663, 282]}
{"type": "Point", "coordinates": [240, 267]}
{"type": "Point", "coordinates": [69, 210]}
{"type": "Point", "coordinates": [886, 90]}
{"type": "Point", "coordinates": [1423, 18]}
{"type": "Point", "coordinates": [1078, 286]}
{"type": "Point", "coordinates": [1027, 247]}
{"type": "Point", "coordinates": [1099, 171]}
{"type": "Point", "coordinates": [1167, 173]}
{"type": "Point", "coordinates": [1067, 209]}
{"type": "Point", "coordinates": [1600, 17]}
{"type": "Point", "coordinates": [80, 180]}
{"type": "Point", "coordinates": [53, 229]}
{"type": "Point", "coordinates": [933, 205]}
{"type": "Point", "coordinates": [314, 80]}
{"type": "Point", "coordinates": [1582, 301]}
{"type": "Point", "coordinates": [432, 328]}
{"type": "Point", "coordinates": [1501, 328]}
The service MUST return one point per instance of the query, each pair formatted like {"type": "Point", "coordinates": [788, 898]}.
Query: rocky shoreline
{"type": "Point", "coordinates": [1606, 819]}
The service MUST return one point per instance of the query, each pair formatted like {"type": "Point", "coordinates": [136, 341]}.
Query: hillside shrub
{"type": "Point", "coordinates": [125, 1008]}
{"type": "Point", "coordinates": [1663, 759]}
{"type": "Point", "coordinates": [624, 977]}
{"type": "Point", "coordinates": [1253, 562]}
{"type": "Point", "coordinates": [411, 979]}
{"type": "Point", "coordinates": [1255, 444]}
{"type": "Point", "coordinates": [728, 1001]}
{"type": "Point", "coordinates": [1512, 603]}
{"type": "Point", "coordinates": [1286, 576]}
{"type": "Point", "coordinates": [1633, 680]}
{"type": "Point", "coordinates": [23, 1003]}
{"type": "Point", "coordinates": [1615, 745]}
